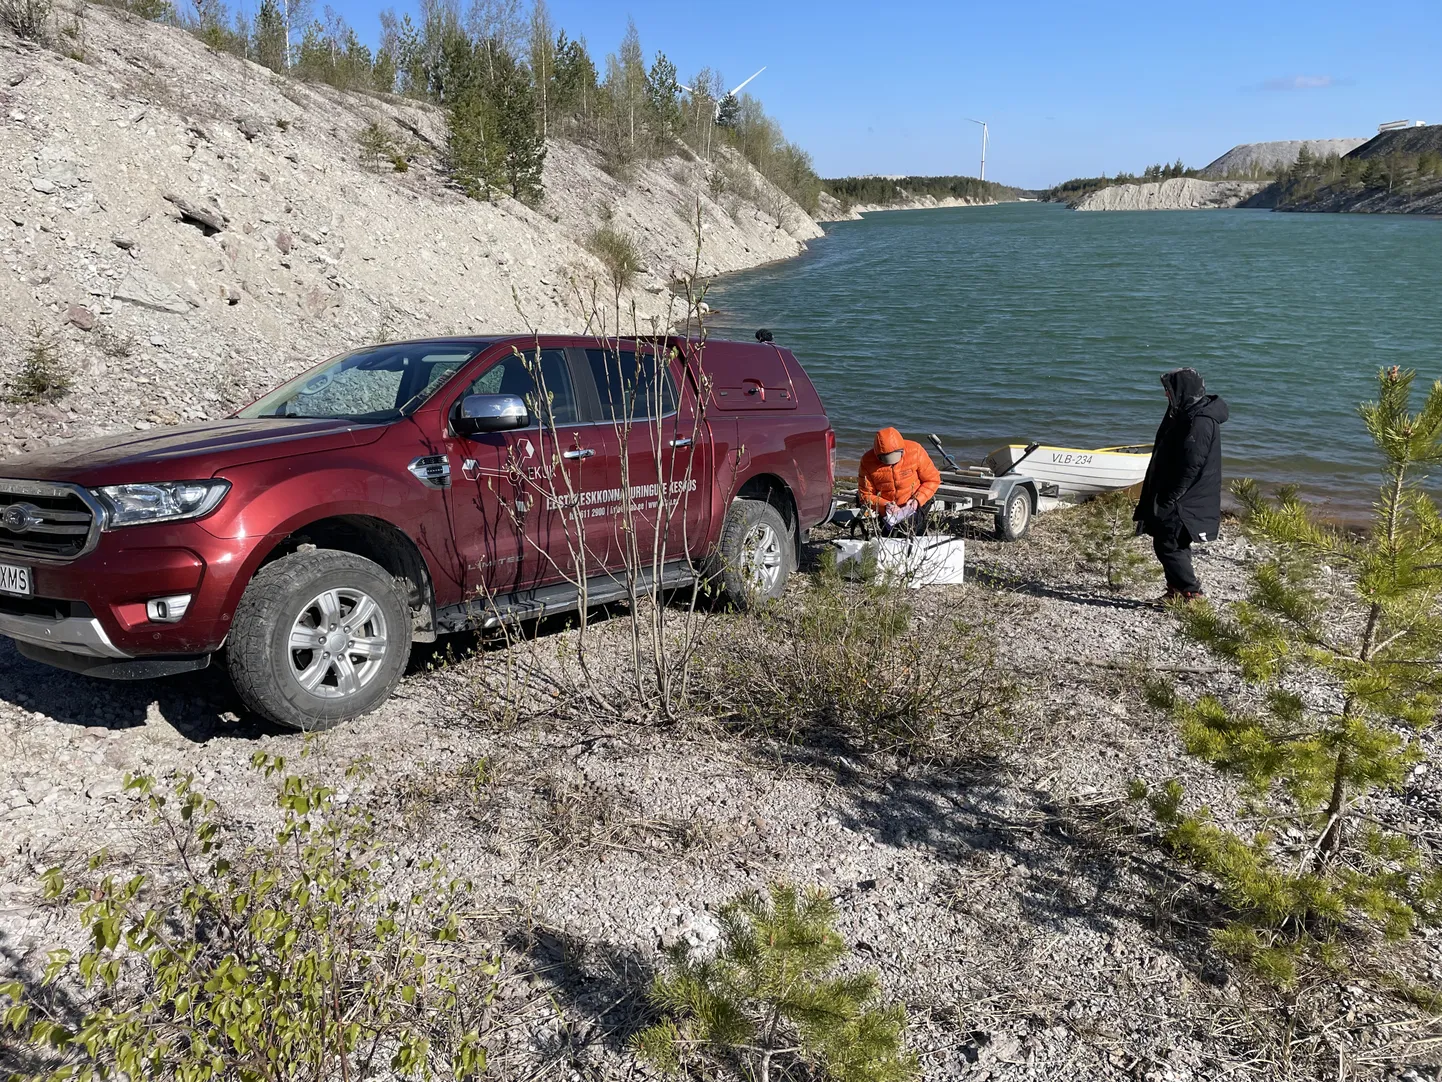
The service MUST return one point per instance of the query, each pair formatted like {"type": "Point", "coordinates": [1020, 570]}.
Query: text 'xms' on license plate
{"type": "Point", "coordinates": [15, 580]}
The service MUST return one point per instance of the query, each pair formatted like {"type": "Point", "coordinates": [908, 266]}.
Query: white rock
{"type": "Point", "coordinates": [142, 288]}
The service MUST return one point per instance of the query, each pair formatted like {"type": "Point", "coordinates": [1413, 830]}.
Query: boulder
{"type": "Point", "coordinates": [143, 288]}
{"type": "Point", "coordinates": [208, 218]}
{"type": "Point", "coordinates": [81, 317]}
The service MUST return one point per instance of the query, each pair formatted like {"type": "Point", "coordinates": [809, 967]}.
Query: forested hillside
{"type": "Point", "coordinates": [890, 191]}
{"type": "Point", "coordinates": [507, 80]}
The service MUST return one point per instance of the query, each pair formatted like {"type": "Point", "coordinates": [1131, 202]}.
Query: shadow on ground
{"type": "Point", "coordinates": [1077, 864]}
{"type": "Point", "coordinates": [600, 987]}
{"type": "Point", "coordinates": [199, 705]}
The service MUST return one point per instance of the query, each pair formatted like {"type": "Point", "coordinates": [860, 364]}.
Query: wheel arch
{"type": "Point", "coordinates": [376, 540]}
{"type": "Point", "coordinates": [769, 488]}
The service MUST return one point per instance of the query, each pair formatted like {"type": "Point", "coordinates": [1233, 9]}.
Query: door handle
{"type": "Point", "coordinates": [580, 452]}
{"type": "Point", "coordinates": [681, 441]}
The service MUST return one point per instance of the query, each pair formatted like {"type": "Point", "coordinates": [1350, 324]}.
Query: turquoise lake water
{"type": "Point", "coordinates": [1033, 322]}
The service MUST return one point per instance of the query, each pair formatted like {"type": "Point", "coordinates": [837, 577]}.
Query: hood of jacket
{"type": "Point", "coordinates": [1184, 387]}
{"type": "Point", "coordinates": [887, 441]}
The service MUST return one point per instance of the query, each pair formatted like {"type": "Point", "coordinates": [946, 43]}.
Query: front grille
{"type": "Point", "coordinates": [46, 521]}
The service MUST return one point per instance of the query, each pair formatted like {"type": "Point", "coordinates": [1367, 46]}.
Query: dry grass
{"type": "Point", "coordinates": [26, 18]}
{"type": "Point", "coordinates": [575, 817]}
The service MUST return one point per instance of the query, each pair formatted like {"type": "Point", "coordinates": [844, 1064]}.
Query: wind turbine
{"type": "Point", "coordinates": [983, 145]}
{"type": "Point", "coordinates": [729, 94]}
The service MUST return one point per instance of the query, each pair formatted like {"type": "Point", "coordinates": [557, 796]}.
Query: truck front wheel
{"type": "Point", "coordinates": [753, 556]}
{"type": "Point", "coordinates": [319, 637]}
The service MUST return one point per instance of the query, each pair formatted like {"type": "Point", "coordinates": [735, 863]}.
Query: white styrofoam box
{"type": "Point", "coordinates": [919, 561]}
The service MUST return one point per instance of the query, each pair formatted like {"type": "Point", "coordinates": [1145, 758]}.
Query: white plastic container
{"type": "Point", "coordinates": [917, 561]}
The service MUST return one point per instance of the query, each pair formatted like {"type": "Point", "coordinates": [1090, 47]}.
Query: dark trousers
{"type": "Point", "coordinates": [1173, 546]}
{"type": "Point", "coordinates": [915, 526]}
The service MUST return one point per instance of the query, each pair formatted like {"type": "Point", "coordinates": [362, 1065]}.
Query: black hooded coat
{"type": "Point", "coordinates": [1183, 485]}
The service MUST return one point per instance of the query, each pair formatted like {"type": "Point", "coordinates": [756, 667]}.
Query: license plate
{"type": "Point", "coordinates": [15, 580]}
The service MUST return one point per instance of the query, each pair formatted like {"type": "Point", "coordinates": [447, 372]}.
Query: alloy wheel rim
{"type": "Point", "coordinates": [761, 557]}
{"type": "Point", "coordinates": [337, 643]}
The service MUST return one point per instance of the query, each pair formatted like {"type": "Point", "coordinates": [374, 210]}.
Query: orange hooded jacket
{"type": "Point", "coordinates": [915, 477]}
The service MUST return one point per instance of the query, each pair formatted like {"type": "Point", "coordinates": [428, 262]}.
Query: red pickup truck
{"type": "Point", "coordinates": [406, 490]}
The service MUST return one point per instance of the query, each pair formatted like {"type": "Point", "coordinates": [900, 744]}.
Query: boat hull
{"type": "Point", "coordinates": [1077, 472]}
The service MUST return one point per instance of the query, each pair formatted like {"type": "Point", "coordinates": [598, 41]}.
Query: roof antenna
{"type": "Point", "coordinates": [763, 335]}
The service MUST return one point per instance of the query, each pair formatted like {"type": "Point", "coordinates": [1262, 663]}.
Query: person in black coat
{"type": "Point", "coordinates": [1181, 498]}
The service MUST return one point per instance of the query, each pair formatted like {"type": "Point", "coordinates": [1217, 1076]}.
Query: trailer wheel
{"type": "Point", "coordinates": [1013, 521]}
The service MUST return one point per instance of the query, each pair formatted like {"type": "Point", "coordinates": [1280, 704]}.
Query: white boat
{"type": "Point", "coordinates": [1076, 472]}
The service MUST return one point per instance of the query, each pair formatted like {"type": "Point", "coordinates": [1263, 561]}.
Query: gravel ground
{"type": "Point", "coordinates": [1031, 931]}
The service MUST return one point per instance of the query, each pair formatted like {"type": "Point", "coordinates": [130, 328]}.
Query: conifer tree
{"type": "Point", "coordinates": [270, 36]}
{"type": "Point", "coordinates": [1338, 646]}
{"type": "Point", "coordinates": [523, 152]}
{"type": "Point", "coordinates": [661, 92]}
{"type": "Point", "coordinates": [575, 86]}
{"type": "Point", "coordinates": [768, 997]}
{"type": "Point", "coordinates": [1107, 538]}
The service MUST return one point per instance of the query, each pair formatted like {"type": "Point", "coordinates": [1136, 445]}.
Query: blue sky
{"type": "Point", "coordinates": [1069, 89]}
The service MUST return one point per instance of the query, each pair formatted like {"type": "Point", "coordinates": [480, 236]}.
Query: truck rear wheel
{"type": "Point", "coordinates": [319, 637]}
{"type": "Point", "coordinates": [753, 556]}
{"type": "Point", "coordinates": [1014, 519]}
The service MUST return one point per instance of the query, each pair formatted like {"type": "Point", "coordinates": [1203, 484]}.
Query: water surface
{"type": "Point", "coordinates": [1030, 321]}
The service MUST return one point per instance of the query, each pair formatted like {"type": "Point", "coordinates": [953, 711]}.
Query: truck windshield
{"type": "Point", "coordinates": [378, 384]}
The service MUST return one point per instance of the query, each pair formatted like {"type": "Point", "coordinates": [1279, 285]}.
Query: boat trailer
{"type": "Point", "coordinates": [1011, 496]}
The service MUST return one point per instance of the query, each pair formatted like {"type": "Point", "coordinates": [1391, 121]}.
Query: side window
{"type": "Point", "coordinates": [442, 367]}
{"type": "Point", "coordinates": [626, 384]}
{"type": "Point", "coordinates": [517, 375]}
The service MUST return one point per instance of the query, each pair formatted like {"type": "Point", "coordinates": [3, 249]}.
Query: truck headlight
{"type": "Point", "coordinates": [165, 501]}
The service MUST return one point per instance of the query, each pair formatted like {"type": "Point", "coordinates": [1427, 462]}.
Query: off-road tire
{"type": "Point", "coordinates": [1013, 521]}
{"type": "Point", "coordinates": [258, 649]}
{"type": "Point", "coordinates": [726, 569]}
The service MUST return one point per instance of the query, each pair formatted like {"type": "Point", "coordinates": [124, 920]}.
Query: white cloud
{"type": "Point", "coordinates": [1300, 82]}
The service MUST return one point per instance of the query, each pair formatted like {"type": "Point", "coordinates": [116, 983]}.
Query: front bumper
{"type": "Point", "coordinates": [92, 610]}
{"type": "Point", "coordinates": [69, 634]}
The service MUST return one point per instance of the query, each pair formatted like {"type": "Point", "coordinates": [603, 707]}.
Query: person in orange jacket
{"type": "Point", "coordinates": [897, 475]}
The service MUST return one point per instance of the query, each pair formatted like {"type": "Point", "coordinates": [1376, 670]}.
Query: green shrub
{"type": "Point", "coordinates": [294, 959]}
{"type": "Point", "coordinates": [42, 376]}
{"type": "Point", "coordinates": [376, 145]}
{"type": "Point", "coordinates": [1337, 644]}
{"type": "Point", "coordinates": [859, 659]}
{"type": "Point", "coordinates": [617, 253]}
{"type": "Point", "coordinates": [770, 998]}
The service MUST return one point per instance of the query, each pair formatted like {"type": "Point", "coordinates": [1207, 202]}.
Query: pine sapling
{"type": "Point", "coordinates": [1338, 646]}
{"type": "Point", "coordinates": [1107, 538]}
{"type": "Point", "coordinates": [769, 998]}
{"type": "Point", "coordinates": [42, 376]}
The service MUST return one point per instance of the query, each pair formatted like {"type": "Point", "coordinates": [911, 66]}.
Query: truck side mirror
{"type": "Point", "coordinates": [479, 413]}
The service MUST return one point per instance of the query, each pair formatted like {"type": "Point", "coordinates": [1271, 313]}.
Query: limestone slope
{"type": "Point", "coordinates": [1252, 158]}
{"type": "Point", "coordinates": [190, 228]}
{"type": "Point", "coordinates": [1179, 193]}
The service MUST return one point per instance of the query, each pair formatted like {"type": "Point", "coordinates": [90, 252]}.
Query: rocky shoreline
{"type": "Point", "coordinates": [833, 210]}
